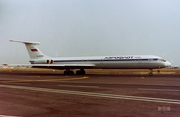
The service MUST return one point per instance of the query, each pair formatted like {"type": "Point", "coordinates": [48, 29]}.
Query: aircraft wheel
{"type": "Point", "coordinates": [68, 72]}
{"type": "Point", "coordinates": [83, 72]}
{"type": "Point", "coordinates": [150, 74]}
{"type": "Point", "coordinates": [71, 72]}
{"type": "Point", "coordinates": [80, 72]}
{"type": "Point", "coordinates": [65, 72]}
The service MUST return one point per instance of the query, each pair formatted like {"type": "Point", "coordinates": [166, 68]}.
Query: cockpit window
{"type": "Point", "coordinates": [162, 60]}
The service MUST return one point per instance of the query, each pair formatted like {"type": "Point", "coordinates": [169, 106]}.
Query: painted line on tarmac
{"type": "Point", "coordinates": [91, 94]}
{"type": "Point", "coordinates": [8, 116]}
{"type": "Point", "coordinates": [158, 89]}
{"type": "Point", "coordinates": [45, 80]}
{"type": "Point", "coordinates": [79, 86]}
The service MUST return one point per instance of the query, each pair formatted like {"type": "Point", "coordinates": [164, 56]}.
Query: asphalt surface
{"type": "Point", "coordinates": [91, 95]}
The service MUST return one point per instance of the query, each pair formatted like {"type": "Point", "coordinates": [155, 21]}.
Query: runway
{"type": "Point", "coordinates": [98, 95]}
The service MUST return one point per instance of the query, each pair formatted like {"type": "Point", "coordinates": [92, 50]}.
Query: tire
{"type": "Point", "coordinates": [150, 74]}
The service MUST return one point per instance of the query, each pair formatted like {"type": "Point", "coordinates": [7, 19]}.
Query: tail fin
{"type": "Point", "coordinates": [33, 51]}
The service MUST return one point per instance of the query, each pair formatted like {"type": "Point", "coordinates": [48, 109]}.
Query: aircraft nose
{"type": "Point", "coordinates": [167, 64]}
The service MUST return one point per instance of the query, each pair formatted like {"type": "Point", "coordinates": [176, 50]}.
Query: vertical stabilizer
{"type": "Point", "coordinates": [33, 51]}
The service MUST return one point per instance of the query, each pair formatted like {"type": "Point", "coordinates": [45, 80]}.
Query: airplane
{"type": "Point", "coordinates": [68, 64]}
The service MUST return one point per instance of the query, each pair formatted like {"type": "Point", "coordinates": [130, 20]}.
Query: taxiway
{"type": "Point", "coordinates": [98, 95]}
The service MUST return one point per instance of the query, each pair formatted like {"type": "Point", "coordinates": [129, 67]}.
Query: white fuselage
{"type": "Point", "coordinates": [110, 62]}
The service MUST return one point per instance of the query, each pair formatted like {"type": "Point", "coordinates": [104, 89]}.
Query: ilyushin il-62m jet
{"type": "Point", "coordinates": [68, 64]}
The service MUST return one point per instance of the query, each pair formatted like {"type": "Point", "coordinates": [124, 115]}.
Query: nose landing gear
{"type": "Point", "coordinates": [151, 72]}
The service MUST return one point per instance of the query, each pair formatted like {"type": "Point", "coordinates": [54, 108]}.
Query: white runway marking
{"type": "Point", "coordinates": [79, 86]}
{"type": "Point", "coordinates": [91, 94]}
{"type": "Point", "coordinates": [8, 116]}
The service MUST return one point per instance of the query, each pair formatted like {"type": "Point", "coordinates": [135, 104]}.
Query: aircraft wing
{"type": "Point", "coordinates": [55, 66]}
{"type": "Point", "coordinates": [63, 66]}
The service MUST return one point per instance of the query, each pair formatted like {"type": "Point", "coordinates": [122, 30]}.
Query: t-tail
{"type": "Point", "coordinates": [33, 51]}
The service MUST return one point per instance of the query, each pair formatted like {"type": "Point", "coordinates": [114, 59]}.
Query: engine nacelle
{"type": "Point", "coordinates": [42, 62]}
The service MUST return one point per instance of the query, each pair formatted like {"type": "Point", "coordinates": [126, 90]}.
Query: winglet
{"type": "Point", "coordinates": [25, 42]}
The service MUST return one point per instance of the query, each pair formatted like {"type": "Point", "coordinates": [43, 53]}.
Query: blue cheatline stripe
{"type": "Point", "coordinates": [100, 60]}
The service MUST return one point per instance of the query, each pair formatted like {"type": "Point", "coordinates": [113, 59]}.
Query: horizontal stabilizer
{"type": "Point", "coordinates": [25, 42]}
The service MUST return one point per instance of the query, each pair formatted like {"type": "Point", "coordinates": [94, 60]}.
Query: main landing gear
{"type": "Point", "coordinates": [70, 72]}
{"type": "Point", "coordinates": [151, 72]}
{"type": "Point", "coordinates": [81, 72]}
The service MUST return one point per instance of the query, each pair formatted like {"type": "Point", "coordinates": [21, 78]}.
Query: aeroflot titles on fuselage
{"type": "Point", "coordinates": [119, 57]}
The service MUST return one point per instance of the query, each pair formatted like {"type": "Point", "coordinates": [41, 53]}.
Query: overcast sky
{"type": "Point", "coordinates": [90, 28]}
